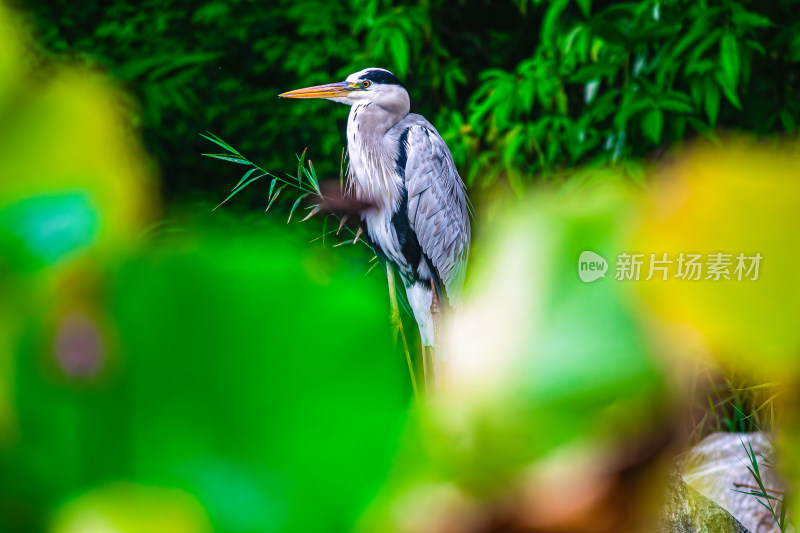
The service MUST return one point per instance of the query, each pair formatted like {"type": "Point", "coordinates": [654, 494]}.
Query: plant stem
{"type": "Point", "coordinates": [397, 323]}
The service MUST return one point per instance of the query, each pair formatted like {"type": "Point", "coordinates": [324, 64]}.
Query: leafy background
{"type": "Point", "coordinates": [518, 89]}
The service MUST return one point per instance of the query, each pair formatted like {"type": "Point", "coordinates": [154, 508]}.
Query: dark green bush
{"type": "Point", "coordinates": [519, 89]}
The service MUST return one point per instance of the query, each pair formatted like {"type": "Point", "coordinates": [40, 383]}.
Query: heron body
{"type": "Point", "coordinates": [418, 218]}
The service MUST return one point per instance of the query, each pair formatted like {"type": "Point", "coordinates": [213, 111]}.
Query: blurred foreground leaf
{"type": "Point", "coordinates": [738, 198]}
{"type": "Point", "coordinates": [252, 373]}
{"type": "Point", "coordinates": [121, 507]}
{"type": "Point", "coordinates": [76, 188]}
{"type": "Point", "coordinates": [296, 382]}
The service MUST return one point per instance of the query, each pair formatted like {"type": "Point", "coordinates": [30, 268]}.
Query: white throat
{"type": "Point", "coordinates": [372, 175]}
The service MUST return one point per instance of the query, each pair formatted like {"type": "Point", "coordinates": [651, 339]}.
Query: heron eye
{"type": "Point", "coordinates": [366, 83]}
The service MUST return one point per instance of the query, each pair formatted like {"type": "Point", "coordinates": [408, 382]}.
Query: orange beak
{"type": "Point", "coordinates": [330, 90]}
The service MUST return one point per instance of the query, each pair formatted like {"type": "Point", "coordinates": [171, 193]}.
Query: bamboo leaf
{"type": "Point", "coordinates": [231, 158]}
{"type": "Point", "coordinates": [300, 160]}
{"type": "Point", "coordinates": [341, 224]}
{"type": "Point", "coordinates": [272, 200]}
{"type": "Point", "coordinates": [313, 212]}
{"type": "Point", "coordinates": [764, 504]}
{"type": "Point", "coordinates": [244, 178]}
{"type": "Point", "coordinates": [312, 177]}
{"type": "Point", "coordinates": [237, 189]}
{"type": "Point", "coordinates": [370, 269]}
{"type": "Point", "coordinates": [219, 142]}
{"type": "Point", "coordinates": [294, 206]}
{"type": "Point", "coordinates": [358, 234]}
{"type": "Point", "coordinates": [272, 187]}
{"type": "Point", "coordinates": [324, 228]}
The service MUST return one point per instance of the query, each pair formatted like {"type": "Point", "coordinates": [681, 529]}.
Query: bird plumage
{"type": "Point", "coordinates": [399, 164]}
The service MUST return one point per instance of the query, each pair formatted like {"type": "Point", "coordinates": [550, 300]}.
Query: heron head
{"type": "Point", "coordinates": [374, 85]}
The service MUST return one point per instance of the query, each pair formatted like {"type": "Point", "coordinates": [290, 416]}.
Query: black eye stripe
{"type": "Point", "coordinates": [381, 76]}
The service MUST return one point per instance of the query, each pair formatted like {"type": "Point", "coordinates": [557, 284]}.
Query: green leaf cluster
{"type": "Point", "coordinates": [519, 89]}
{"type": "Point", "coordinates": [608, 82]}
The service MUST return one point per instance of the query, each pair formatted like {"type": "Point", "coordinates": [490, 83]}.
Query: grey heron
{"type": "Point", "coordinates": [418, 219]}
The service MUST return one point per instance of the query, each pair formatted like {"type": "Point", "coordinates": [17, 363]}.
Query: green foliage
{"type": "Point", "coordinates": [305, 182]}
{"type": "Point", "coordinates": [723, 400]}
{"type": "Point", "coordinates": [200, 381]}
{"type": "Point", "coordinates": [770, 499]}
{"type": "Point", "coordinates": [518, 89]}
{"type": "Point", "coordinates": [610, 81]}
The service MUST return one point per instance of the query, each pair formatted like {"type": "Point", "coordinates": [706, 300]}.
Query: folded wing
{"type": "Point", "coordinates": [437, 205]}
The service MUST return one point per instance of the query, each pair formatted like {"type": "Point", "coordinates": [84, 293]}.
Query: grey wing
{"type": "Point", "coordinates": [437, 205]}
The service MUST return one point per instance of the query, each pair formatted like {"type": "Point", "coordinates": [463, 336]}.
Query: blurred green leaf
{"type": "Point", "coordinates": [788, 121]}
{"type": "Point", "coordinates": [730, 92]}
{"type": "Point", "coordinates": [244, 368]}
{"type": "Point", "coordinates": [711, 100]}
{"type": "Point", "coordinates": [42, 229]}
{"type": "Point", "coordinates": [400, 52]}
{"type": "Point", "coordinates": [743, 18]}
{"type": "Point", "coordinates": [730, 60]}
{"type": "Point", "coordinates": [653, 125]}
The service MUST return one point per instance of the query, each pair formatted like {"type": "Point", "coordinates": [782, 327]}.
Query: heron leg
{"type": "Point", "coordinates": [425, 367]}
{"type": "Point", "coordinates": [436, 315]}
